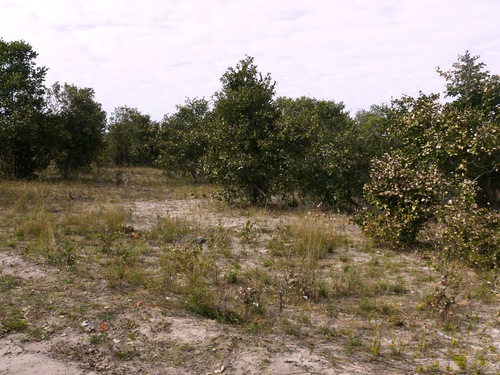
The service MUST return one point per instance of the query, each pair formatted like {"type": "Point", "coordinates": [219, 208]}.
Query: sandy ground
{"type": "Point", "coordinates": [173, 342]}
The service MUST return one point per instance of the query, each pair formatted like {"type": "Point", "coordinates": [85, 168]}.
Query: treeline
{"type": "Point", "coordinates": [406, 168]}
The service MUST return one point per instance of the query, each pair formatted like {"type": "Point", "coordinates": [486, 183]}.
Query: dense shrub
{"type": "Point", "coordinates": [442, 169]}
{"type": "Point", "coordinates": [402, 195]}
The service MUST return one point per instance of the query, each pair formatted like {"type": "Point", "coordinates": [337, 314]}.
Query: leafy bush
{"type": "Point", "coordinates": [443, 168]}
{"type": "Point", "coordinates": [183, 139]}
{"type": "Point", "coordinates": [403, 196]}
{"type": "Point", "coordinates": [469, 232]}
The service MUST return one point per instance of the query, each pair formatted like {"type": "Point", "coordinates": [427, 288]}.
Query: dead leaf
{"type": "Point", "coordinates": [104, 327]}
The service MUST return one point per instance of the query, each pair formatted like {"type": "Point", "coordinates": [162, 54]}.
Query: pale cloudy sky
{"type": "Point", "coordinates": [152, 54]}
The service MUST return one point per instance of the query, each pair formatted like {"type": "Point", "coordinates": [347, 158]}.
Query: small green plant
{"type": "Point", "coordinates": [201, 301]}
{"type": "Point", "coordinates": [375, 348]}
{"type": "Point", "coordinates": [38, 334]}
{"type": "Point", "coordinates": [170, 230]}
{"type": "Point", "coordinates": [13, 322]}
{"type": "Point", "coordinates": [397, 348]}
{"type": "Point", "coordinates": [353, 342]}
{"type": "Point", "coordinates": [7, 283]}
{"type": "Point", "coordinates": [127, 354]}
{"type": "Point", "coordinates": [232, 277]}
{"type": "Point", "coordinates": [460, 360]}
{"type": "Point", "coordinates": [62, 255]}
{"type": "Point", "coordinates": [327, 331]}
{"type": "Point", "coordinates": [96, 339]}
{"type": "Point", "coordinates": [249, 232]}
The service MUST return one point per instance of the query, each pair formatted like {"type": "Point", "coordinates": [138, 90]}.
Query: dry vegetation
{"type": "Point", "coordinates": [126, 272]}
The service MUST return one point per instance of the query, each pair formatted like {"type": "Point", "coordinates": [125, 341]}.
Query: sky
{"type": "Point", "coordinates": [154, 54]}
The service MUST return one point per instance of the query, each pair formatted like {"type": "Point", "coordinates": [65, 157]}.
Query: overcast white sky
{"type": "Point", "coordinates": [152, 54]}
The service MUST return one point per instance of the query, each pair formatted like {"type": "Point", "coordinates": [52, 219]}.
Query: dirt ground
{"type": "Point", "coordinates": [81, 325]}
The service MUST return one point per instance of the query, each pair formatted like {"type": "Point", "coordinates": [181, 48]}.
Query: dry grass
{"type": "Point", "coordinates": [265, 274]}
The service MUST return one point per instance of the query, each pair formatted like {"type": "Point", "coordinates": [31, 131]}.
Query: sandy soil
{"type": "Point", "coordinates": [170, 341]}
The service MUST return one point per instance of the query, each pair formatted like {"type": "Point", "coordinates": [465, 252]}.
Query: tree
{"type": "Point", "coordinates": [241, 153]}
{"type": "Point", "coordinates": [472, 86]}
{"type": "Point", "coordinates": [316, 150]}
{"type": "Point", "coordinates": [183, 139]}
{"type": "Point", "coordinates": [436, 170]}
{"type": "Point", "coordinates": [21, 102]}
{"type": "Point", "coordinates": [131, 138]}
{"type": "Point", "coordinates": [78, 123]}
{"type": "Point", "coordinates": [476, 140]}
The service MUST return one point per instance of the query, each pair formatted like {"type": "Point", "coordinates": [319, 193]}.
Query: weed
{"type": "Point", "coordinates": [13, 322]}
{"type": "Point", "coordinates": [96, 339]}
{"type": "Point", "coordinates": [249, 232]}
{"type": "Point", "coordinates": [7, 283]}
{"type": "Point", "coordinates": [289, 327]}
{"type": "Point", "coordinates": [397, 348]}
{"type": "Point", "coordinates": [460, 360]}
{"type": "Point", "coordinates": [37, 333]}
{"type": "Point", "coordinates": [327, 331]}
{"type": "Point", "coordinates": [353, 342]}
{"type": "Point", "coordinates": [202, 302]}
{"type": "Point", "coordinates": [62, 255]}
{"type": "Point", "coordinates": [232, 277]}
{"type": "Point", "coordinates": [170, 230]}
{"type": "Point", "coordinates": [127, 354]}
{"type": "Point", "coordinates": [344, 258]}
{"type": "Point", "coordinates": [375, 348]}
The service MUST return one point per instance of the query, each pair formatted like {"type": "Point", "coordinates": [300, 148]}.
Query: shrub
{"type": "Point", "coordinates": [403, 196]}
{"type": "Point", "coordinates": [470, 233]}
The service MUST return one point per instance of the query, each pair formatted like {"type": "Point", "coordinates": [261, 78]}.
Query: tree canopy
{"type": "Point", "coordinates": [241, 144]}
{"type": "Point", "coordinates": [183, 139]}
{"type": "Point", "coordinates": [78, 126]}
{"type": "Point", "coordinates": [21, 102]}
{"type": "Point", "coordinates": [131, 139]}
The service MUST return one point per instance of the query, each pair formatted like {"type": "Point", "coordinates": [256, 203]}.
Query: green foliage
{"type": "Point", "coordinates": [476, 109]}
{"type": "Point", "coordinates": [11, 320]}
{"type": "Point", "coordinates": [78, 124]}
{"type": "Point", "coordinates": [183, 139]}
{"type": "Point", "coordinates": [131, 138]}
{"type": "Point", "coordinates": [241, 153]}
{"type": "Point", "coordinates": [470, 232]}
{"type": "Point", "coordinates": [316, 150]}
{"type": "Point", "coordinates": [201, 301]}
{"type": "Point", "coordinates": [443, 166]}
{"type": "Point", "coordinates": [21, 102]}
{"type": "Point", "coordinates": [371, 128]}
{"type": "Point", "coordinates": [403, 195]}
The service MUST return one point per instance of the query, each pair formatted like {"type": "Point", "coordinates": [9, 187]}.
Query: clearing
{"type": "Point", "coordinates": [143, 274]}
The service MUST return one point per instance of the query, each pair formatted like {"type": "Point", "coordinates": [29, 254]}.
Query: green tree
{"type": "Point", "coordinates": [183, 139]}
{"type": "Point", "coordinates": [78, 123]}
{"type": "Point", "coordinates": [435, 171]}
{"type": "Point", "coordinates": [475, 111]}
{"type": "Point", "coordinates": [373, 139]}
{"type": "Point", "coordinates": [241, 153]}
{"type": "Point", "coordinates": [316, 150]}
{"type": "Point", "coordinates": [472, 86]}
{"type": "Point", "coordinates": [131, 138]}
{"type": "Point", "coordinates": [21, 102]}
